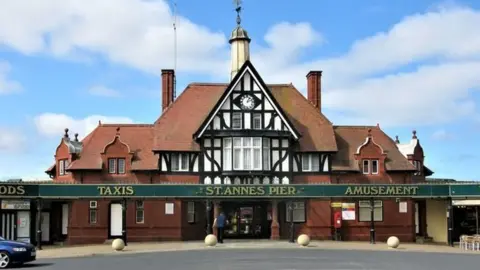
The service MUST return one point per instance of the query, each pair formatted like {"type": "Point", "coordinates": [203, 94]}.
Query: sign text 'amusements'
{"type": "Point", "coordinates": [382, 190]}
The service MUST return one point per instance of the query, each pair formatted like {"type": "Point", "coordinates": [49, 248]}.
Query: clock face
{"type": "Point", "coordinates": [247, 102]}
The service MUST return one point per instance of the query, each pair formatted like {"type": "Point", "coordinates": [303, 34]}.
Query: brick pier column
{"type": "Point", "coordinates": [275, 228]}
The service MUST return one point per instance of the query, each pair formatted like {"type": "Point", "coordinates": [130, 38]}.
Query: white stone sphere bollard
{"type": "Point", "coordinates": [210, 240]}
{"type": "Point", "coordinates": [393, 242]}
{"type": "Point", "coordinates": [303, 240]}
{"type": "Point", "coordinates": [118, 244]}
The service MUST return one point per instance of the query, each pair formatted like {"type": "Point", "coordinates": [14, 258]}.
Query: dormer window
{"type": "Point", "coordinates": [116, 165]}
{"type": "Point", "coordinates": [370, 166]}
{"type": "Point", "coordinates": [310, 162]}
{"type": "Point", "coordinates": [179, 162]}
{"type": "Point", "coordinates": [62, 166]}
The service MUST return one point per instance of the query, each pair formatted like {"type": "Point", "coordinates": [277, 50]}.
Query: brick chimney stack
{"type": "Point", "coordinates": [168, 85]}
{"type": "Point", "coordinates": [314, 88]}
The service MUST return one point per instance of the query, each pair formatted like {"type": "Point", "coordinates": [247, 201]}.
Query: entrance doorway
{"type": "Point", "coordinates": [247, 220]}
{"type": "Point", "coordinates": [116, 220]}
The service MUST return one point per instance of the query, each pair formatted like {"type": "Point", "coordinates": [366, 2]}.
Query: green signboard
{"type": "Point", "coordinates": [225, 191]}
{"type": "Point", "coordinates": [465, 190]}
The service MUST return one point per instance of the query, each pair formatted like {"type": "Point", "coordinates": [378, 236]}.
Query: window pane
{"type": "Point", "coordinates": [191, 217]}
{"type": "Point", "coordinates": [227, 158]}
{"type": "Point", "coordinates": [237, 120]}
{"type": "Point", "coordinates": [366, 168]}
{"type": "Point", "coordinates": [247, 159]}
{"type": "Point", "coordinates": [237, 157]}
{"type": "Point", "coordinates": [266, 158]}
{"type": "Point", "coordinates": [374, 166]}
{"type": "Point", "coordinates": [257, 142]}
{"type": "Point", "coordinates": [184, 162]}
{"type": "Point", "coordinates": [237, 142]}
{"type": "Point", "coordinates": [227, 142]}
{"type": "Point", "coordinates": [61, 166]}
{"type": "Point", "coordinates": [93, 216]}
{"type": "Point", "coordinates": [257, 163]}
{"type": "Point", "coordinates": [247, 141]}
{"type": "Point", "coordinates": [315, 162]}
{"type": "Point", "coordinates": [139, 204]}
{"type": "Point", "coordinates": [378, 214]}
{"type": "Point", "coordinates": [121, 165]}
{"type": "Point", "coordinates": [257, 121]}
{"type": "Point", "coordinates": [175, 162]}
{"type": "Point", "coordinates": [266, 143]}
{"type": "Point", "coordinates": [140, 216]}
{"type": "Point", "coordinates": [364, 214]}
{"type": "Point", "coordinates": [112, 165]}
{"type": "Point", "coordinates": [305, 162]}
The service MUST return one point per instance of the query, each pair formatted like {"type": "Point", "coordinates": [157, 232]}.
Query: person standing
{"type": "Point", "coordinates": [220, 226]}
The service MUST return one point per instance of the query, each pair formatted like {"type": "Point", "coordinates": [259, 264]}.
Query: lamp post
{"type": "Point", "coordinates": [372, 221]}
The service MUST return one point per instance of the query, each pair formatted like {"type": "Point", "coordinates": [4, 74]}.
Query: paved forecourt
{"type": "Point", "coordinates": [267, 259]}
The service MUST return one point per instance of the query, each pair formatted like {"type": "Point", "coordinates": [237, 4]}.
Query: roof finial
{"type": "Point", "coordinates": [118, 131]}
{"type": "Point", "coordinates": [66, 133]}
{"type": "Point", "coordinates": [238, 9]}
{"type": "Point", "coordinates": [369, 132]}
{"type": "Point", "coordinates": [378, 125]}
{"type": "Point", "coordinates": [99, 122]}
{"type": "Point", "coordinates": [396, 139]}
{"type": "Point", "coordinates": [76, 137]}
{"type": "Point", "coordinates": [414, 134]}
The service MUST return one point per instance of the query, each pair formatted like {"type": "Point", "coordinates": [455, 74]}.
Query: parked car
{"type": "Point", "coordinates": [14, 252]}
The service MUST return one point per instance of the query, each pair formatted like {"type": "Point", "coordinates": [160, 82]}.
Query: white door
{"type": "Point", "coordinates": [116, 219]}
{"type": "Point", "coordinates": [23, 226]}
{"type": "Point", "coordinates": [65, 219]}
{"type": "Point", "coordinates": [417, 219]}
{"type": "Point", "coordinates": [45, 226]}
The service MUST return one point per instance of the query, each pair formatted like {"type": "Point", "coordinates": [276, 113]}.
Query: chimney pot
{"type": "Point", "coordinates": [314, 88]}
{"type": "Point", "coordinates": [168, 85]}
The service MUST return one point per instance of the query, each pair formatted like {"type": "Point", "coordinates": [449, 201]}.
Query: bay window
{"type": "Point", "coordinates": [246, 153]}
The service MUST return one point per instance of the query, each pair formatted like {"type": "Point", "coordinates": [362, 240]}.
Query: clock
{"type": "Point", "coordinates": [247, 102]}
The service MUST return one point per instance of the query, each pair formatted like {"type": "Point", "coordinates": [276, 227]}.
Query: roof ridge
{"type": "Point", "coordinates": [354, 126]}
{"type": "Point", "coordinates": [126, 125]}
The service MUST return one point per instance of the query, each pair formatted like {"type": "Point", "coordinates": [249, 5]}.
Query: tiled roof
{"type": "Point", "coordinates": [174, 128]}
{"type": "Point", "coordinates": [349, 138]}
{"type": "Point", "coordinates": [139, 139]}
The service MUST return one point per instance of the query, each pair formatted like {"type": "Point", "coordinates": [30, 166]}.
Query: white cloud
{"type": "Point", "coordinates": [11, 140]}
{"type": "Point", "coordinates": [103, 91]}
{"type": "Point", "coordinates": [133, 32]}
{"type": "Point", "coordinates": [7, 86]}
{"type": "Point", "coordinates": [421, 71]}
{"type": "Point", "coordinates": [53, 125]}
{"type": "Point", "coordinates": [442, 135]}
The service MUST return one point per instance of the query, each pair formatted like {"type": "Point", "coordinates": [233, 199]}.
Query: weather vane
{"type": "Point", "coordinates": [238, 9]}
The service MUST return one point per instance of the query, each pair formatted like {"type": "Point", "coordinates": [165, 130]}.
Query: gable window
{"type": "Point", "coordinates": [257, 121]}
{"type": "Point", "coordinates": [139, 212]}
{"type": "Point", "coordinates": [237, 120]}
{"type": "Point", "coordinates": [247, 153]}
{"type": "Point", "coordinates": [374, 166]}
{"type": "Point", "coordinates": [298, 211]}
{"type": "Point", "coordinates": [418, 167]}
{"type": "Point", "coordinates": [310, 162]}
{"type": "Point", "coordinates": [116, 165]}
{"type": "Point", "coordinates": [366, 166]}
{"type": "Point", "coordinates": [62, 166]}
{"type": "Point", "coordinates": [364, 211]}
{"type": "Point", "coordinates": [370, 166]}
{"type": "Point", "coordinates": [191, 212]}
{"type": "Point", "coordinates": [179, 162]}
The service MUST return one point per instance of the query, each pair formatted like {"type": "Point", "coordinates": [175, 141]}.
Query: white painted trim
{"type": "Point", "coordinates": [264, 92]}
{"type": "Point", "coordinates": [366, 142]}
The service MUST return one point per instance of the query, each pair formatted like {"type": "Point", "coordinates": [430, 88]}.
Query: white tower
{"type": "Point", "coordinates": [240, 44]}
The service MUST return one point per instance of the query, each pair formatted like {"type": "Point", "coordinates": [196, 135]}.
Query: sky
{"type": "Point", "coordinates": [404, 64]}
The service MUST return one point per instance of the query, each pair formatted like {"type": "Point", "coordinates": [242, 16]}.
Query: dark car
{"type": "Point", "coordinates": [14, 252]}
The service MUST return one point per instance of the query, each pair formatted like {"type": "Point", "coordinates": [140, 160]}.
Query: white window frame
{"type": "Point", "coordinates": [113, 166]}
{"type": "Point", "coordinates": [364, 210]}
{"type": "Point", "coordinates": [238, 115]}
{"type": "Point", "coordinates": [258, 117]}
{"type": "Point", "coordinates": [365, 166]}
{"type": "Point", "coordinates": [139, 212]}
{"type": "Point", "coordinates": [62, 166]}
{"type": "Point", "coordinates": [308, 157]}
{"type": "Point", "coordinates": [92, 212]}
{"type": "Point", "coordinates": [371, 164]}
{"type": "Point", "coordinates": [418, 167]}
{"type": "Point", "coordinates": [242, 149]}
{"type": "Point", "coordinates": [266, 154]}
{"type": "Point", "coordinates": [180, 162]}
{"type": "Point", "coordinates": [299, 208]}
{"type": "Point", "coordinates": [191, 212]}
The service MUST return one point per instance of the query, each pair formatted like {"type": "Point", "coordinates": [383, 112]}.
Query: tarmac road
{"type": "Point", "coordinates": [266, 259]}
